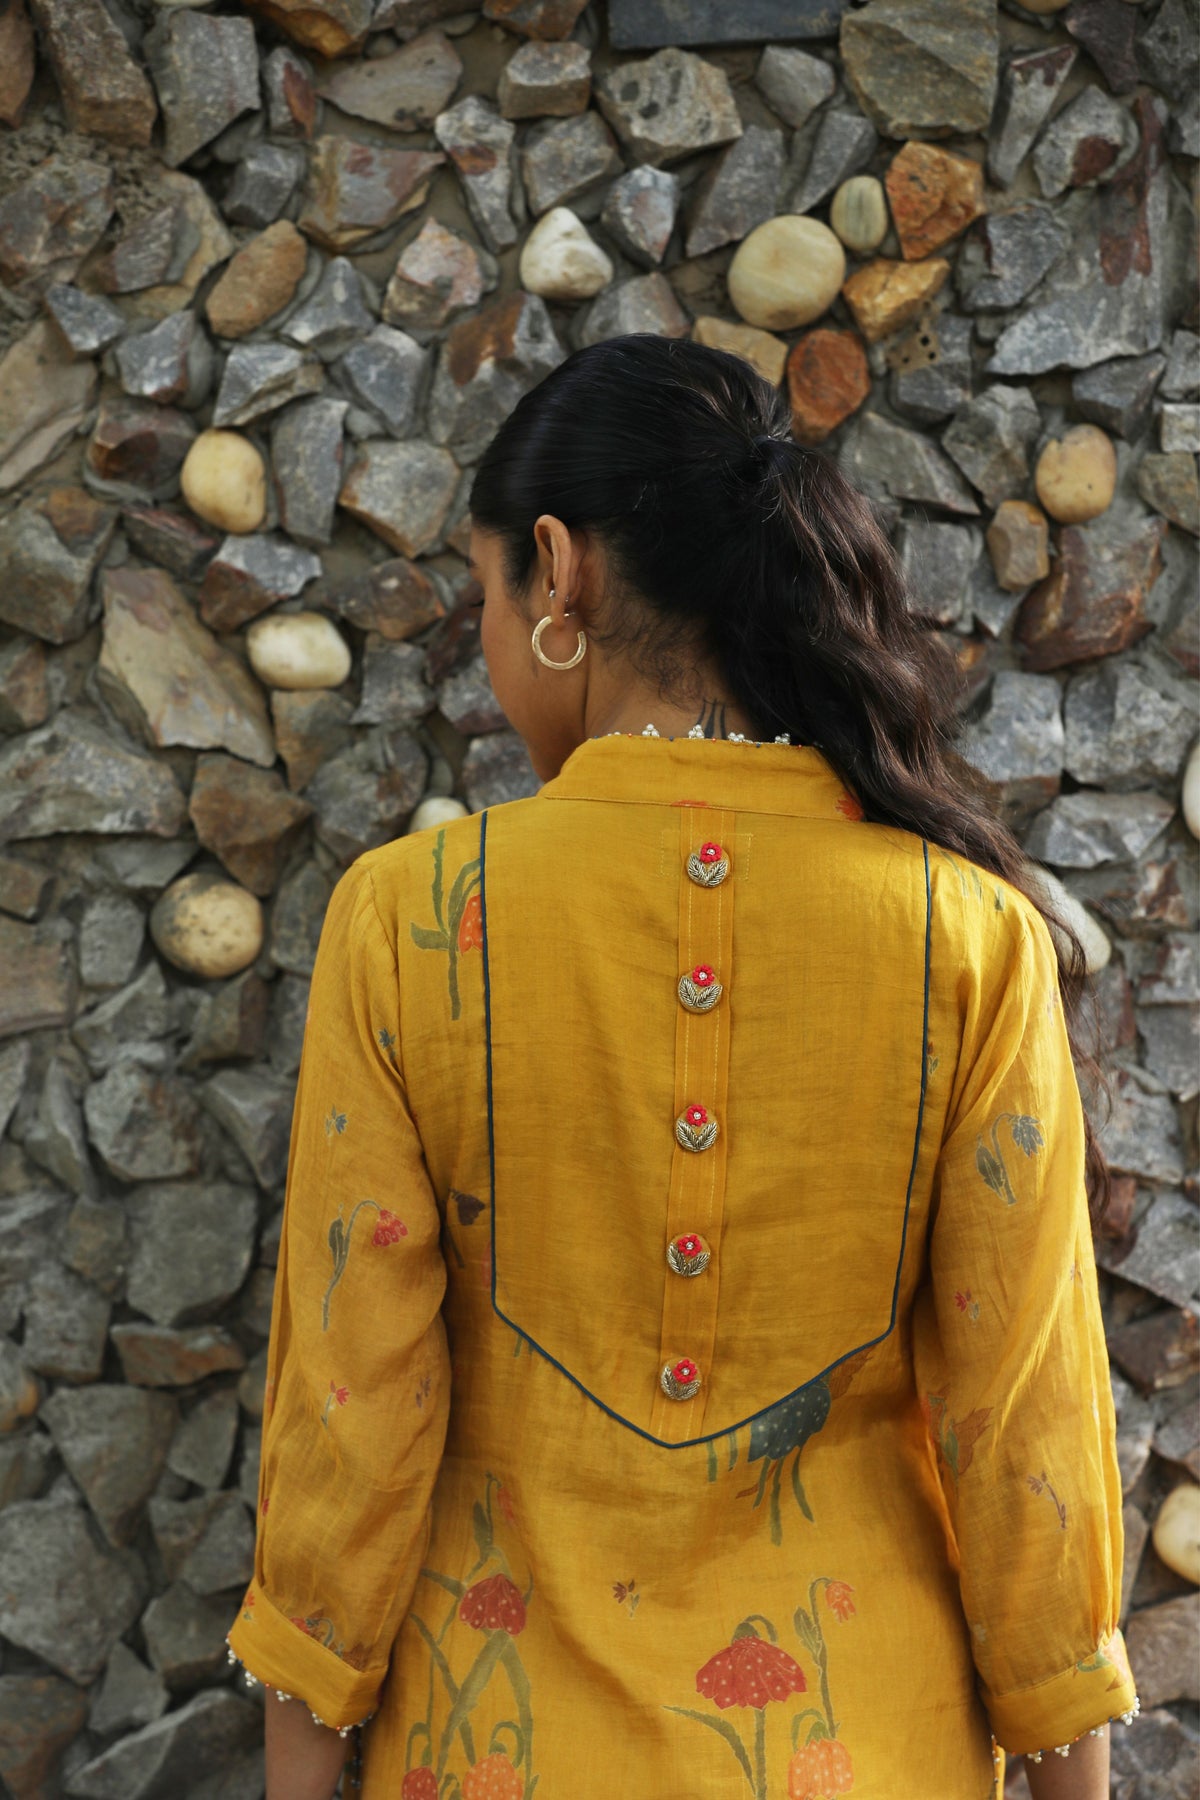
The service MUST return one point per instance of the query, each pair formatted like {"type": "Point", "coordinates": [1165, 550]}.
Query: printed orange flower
{"type": "Point", "coordinates": [504, 1501]}
{"type": "Point", "coordinates": [820, 1770]}
{"type": "Point", "coordinates": [837, 1599]}
{"type": "Point", "coordinates": [493, 1779]}
{"type": "Point", "coordinates": [848, 805]}
{"type": "Point", "coordinates": [493, 1605]}
{"type": "Point", "coordinates": [304, 1625]}
{"type": "Point", "coordinates": [470, 926]}
{"type": "Point", "coordinates": [419, 1784]}
{"type": "Point", "coordinates": [340, 1394]}
{"type": "Point", "coordinates": [389, 1230]}
{"type": "Point", "coordinates": [750, 1672]}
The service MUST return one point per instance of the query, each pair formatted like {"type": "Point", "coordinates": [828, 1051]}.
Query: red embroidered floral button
{"type": "Point", "coordinates": [699, 989]}
{"type": "Point", "coordinates": [688, 1254]}
{"type": "Point", "coordinates": [680, 1380]}
{"type": "Point", "coordinates": [694, 1130]}
{"type": "Point", "coordinates": [708, 866]}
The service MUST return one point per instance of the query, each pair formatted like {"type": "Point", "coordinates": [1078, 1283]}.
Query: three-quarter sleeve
{"type": "Point", "coordinates": [357, 1388]}
{"type": "Point", "coordinates": [1012, 1366]}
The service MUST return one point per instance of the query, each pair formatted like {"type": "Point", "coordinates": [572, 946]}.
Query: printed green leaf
{"type": "Point", "coordinates": [471, 1691]}
{"type": "Point", "coordinates": [724, 1729]}
{"type": "Point", "coordinates": [482, 1529]}
{"type": "Point", "coordinates": [989, 1167]}
{"type": "Point", "coordinates": [806, 1631]}
{"type": "Point", "coordinates": [425, 939]}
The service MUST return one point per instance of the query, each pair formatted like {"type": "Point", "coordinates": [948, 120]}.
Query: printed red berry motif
{"type": "Point", "coordinates": [419, 1784]}
{"type": "Point", "coordinates": [493, 1779]}
{"type": "Point", "coordinates": [494, 1605]}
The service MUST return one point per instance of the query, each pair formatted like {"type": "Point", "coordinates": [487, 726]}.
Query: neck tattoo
{"type": "Point", "coordinates": [711, 723]}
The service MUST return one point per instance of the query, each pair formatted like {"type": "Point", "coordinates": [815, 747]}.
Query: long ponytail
{"type": "Point", "coordinates": [722, 535]}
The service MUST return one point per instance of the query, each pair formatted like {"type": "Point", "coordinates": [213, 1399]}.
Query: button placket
{"type": "Point", "coordinates": [692, 1240]}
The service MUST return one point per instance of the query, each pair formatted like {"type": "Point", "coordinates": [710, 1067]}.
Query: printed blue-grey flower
{"type": "Point", "coordinates": [789, 1425]}
{"type": "Point", "coordinates": [1027, 1134]}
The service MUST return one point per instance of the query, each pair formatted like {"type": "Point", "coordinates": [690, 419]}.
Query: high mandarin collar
{"type": "Point", "coordinates": [703, 772]}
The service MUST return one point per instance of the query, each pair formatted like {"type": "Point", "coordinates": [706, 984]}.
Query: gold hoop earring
{"type": "Point", "coordinates": [578, 657]}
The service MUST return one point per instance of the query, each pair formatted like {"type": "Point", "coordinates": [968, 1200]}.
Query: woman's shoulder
{"type": "Point", "coordinates": [988, 922]}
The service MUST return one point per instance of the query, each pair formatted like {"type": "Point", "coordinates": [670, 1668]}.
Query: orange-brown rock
{"type": "Point", "coordinates": [1093, 602]}
{"type": "Point", "coordinates": [16, 61]}
{"type": "Point", "coordinates": [259, 281]}
{"type": "Point", "coordinates": [887, 294]}
{"type": "Point", "coordinates": [330, 27]}
{"type": "Point", "coordinates": [247, 818]}
{"type": "Point", "coordinates": [828, 379]}
{"type": "Point", "coordinates": [1018, 541]}
{"type": "Point", "coordinates": [933, 196]}
{"type": "Point", "coordinates": [542, 19]}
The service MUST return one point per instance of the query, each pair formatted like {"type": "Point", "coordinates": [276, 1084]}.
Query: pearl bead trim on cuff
{"type": "Point", "coordinates": [1125, 1718]}
{"type": "Point", "coordinates": [253, 1681]}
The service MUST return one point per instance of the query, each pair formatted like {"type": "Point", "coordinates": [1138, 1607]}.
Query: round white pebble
{"type": "Point", "coordinates": [298, 650]}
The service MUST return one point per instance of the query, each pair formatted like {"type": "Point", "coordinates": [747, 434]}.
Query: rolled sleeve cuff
{"type": "Point", "coordinates": [1096, 1691]}
{"type": "Point", "coordinates": [282, 1656]}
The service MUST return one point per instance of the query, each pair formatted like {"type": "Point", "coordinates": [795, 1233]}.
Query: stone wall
{"type": "Point", "coordinates": [272, 274]}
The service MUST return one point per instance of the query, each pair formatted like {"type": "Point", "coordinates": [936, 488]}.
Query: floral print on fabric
{"type": "Point", "coordinates": [446, 1760]}
{"type": "Point", "coordinates": [459, 917]}
{"type": "Point", "coordinates": [388, 1230]}
{"type": "Point", "coordinates": [955, 1438]}
{"type": "Point", "coordinates": [754, 1672]}
{"type": "Point", "coordinates": [1026, 1134]}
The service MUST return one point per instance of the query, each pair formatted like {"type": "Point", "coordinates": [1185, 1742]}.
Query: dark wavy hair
{"type": "Point", "coordinates": [725, 538]}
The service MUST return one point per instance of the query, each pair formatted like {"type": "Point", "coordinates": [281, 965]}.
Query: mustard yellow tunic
{"type": "Point", "coordinates": [686, 1376]}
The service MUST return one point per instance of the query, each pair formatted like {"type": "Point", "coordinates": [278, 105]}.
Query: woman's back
{"type": "Point", "coordinates": [705, 1163]}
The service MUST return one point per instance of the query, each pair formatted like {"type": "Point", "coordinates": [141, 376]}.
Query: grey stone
{"type": "Point", "coordinates": [793, 83]}
{"type": "Point", "coordinates": [991, 439]}
{"type": "Point", "coordinates": [249, 1464]}
{"type": "Point", "coordinates": [260, 378]}
{"type": "Point", "coordinates": [206, 71]}
{"type": "Point", "coordinates": [1179, 427]}
{"type": "Point", "coordinates": [929, 393]}
{"type": "Point", "coordinates": [1087, 142]}
{"type": "Point", "coordinates": [114, 1442]}
{"type": "Point", "coordinates": [1141, 1136]}
{"type": "Point", "coordinates": [207, 1541]}
{"type": "Point", "coordinates": [1029, 87]}
{"type": "Point", "coordinates": [24, 886]}
{"type": "Point", "coordinates": [387, 372]}
{"type": "Point", "coordinates": [26, 701]}
{"type": "Point", "coordinates": [229, 1023]}
{"type": "Point", "coordinates": [192, 1245]}
{"type": "Point", "coordinates": [14, 1067]}
{"type": "Point", "coordinates": [466, 699]}
{"type": "Point", "coordinates": [1019, 741]}
{"type": "Point", "coordinates": [639, 213]}
{"type": "Point", "coordinates": [364, 796]}
{"type": "Point", "coordinates": [1155, 1760]}
{"type": "Point", "coordinates": [1005, 254]}
{"type": "Point", "coordinates": [289, 94]}
{"type": "Point", "coordinates": [843, 143]}
{"type": "Point", "coordinates": [1183, 127]}
{"type": "Point", "coordinates": [404, 91]}
{"type": "Point", "coordinates": [296, 918]}
{"type": "Point", "coordinates": [263, 182]}
{"type": "Point", "coordinates": [103, 89]}
{"type": "Point", "coordinates": [94, 1245]}
{"type": "Point", "coordinates": [144, 1125]}
{"type": "Point", "coordinates": [1173, 978]}
{"type": "Point", "coordinates": [1171, 1036]}
{"type": "Point", "coordinates": [171, 361]}
{"type": "Point", "coordinates": [740, 191]}
{"type": "Point", "coordinates": [66, 1325]}
{"type": "Point", "coordinates": [111, 934]}
{"type": "Point", "coordinates": [1084, 829]}
{"type": "Point", "coordinates": [643, 303]}
{"type": "Point", "coordinates": [185, 1638]}
{"type": "Point", "coordinates": [1167, 51]}
{"type": "Point", "coordinates": [1169, 484]}
{"type": "Point", "coordinates": [335, 315]}
{"type": "Point", "coordinates": [136, 1013]}
{"type": "Point", "coordinates": [20, 1390]}
{"type": "Point", "coordinates": [50, 221]}
{"type": "Point", "coordinates": [40, 1716]}
{"type": "Point", "coordinates": [497, 769]}
{"type": "Point", "coordinates": [1117, 395]}
{"type": "Point", "coordinates": [437, 274]}
{"type": "Point", "coordinates": [37, 976]}
{"type": "Point", "coordinates": [71, 776]}
{"type": "Point", "coordinates": [485, 366]}
{"type": "Point", "coordinates": [31, 1226]}
{"type": "Point", "coordinates": [153, 1356]}
{"type": "Point", "coordinates": [155, 249]}
{"type": "Point", "coordinates": [1072, 320]}
{"type": "Point", "coordinates": [1124, 730]}
{"type": "Point", "coordinates": [394, 690]}
{"type": "Point", "coordinates": [356, 190]}
{"type": "Point", "coordinates": [565, 159]}
{"type": "Point", "coordinates": [44, 398]}
{"type": "Point", "coordinates": [668, 106]}
{"type": "Point", "coordinates": [920, 71]}
{"type": "Point", "coordinates": [403, 491]}
{"type": "Point", "coordinates": [202, 1447]}
{"type": "Point", "coordinates": [480, 145]}
{"type": "Point", "coordinates": [937, 561]}
{"type": "Point", "coordinates": [143, 866]}
{"type": "Point", "coordinates": [289, 1013]}
{"type": "Point", "coordinates": [66, 1599]}
{"type": "Point", "coordinates": [137, 449]}
{"type": "Point", "coordinates": [54, 1137]}
{"type": "Point", "coordinates": [640, 24]}
{"type": "Point", "coordinates": [1181, 380]}
{"type": "Point", "coordinates": [307, 448]}
{"type": "Point", "coordinates": [129, 1695]}
{"type": "Point", "coordinates": [87, 321]}
{"type": "Point", "coordinates": [255, 1108]}
{"type": "Point", "coordinates": [545, 79]}
{"type": "Point", "coordinates": [49, 551]}
{"type": "Point", "coordinates": [889, 461]}
{"type": "Point", "coordinates": [161, 1761]}
{"type": "Point", "coordinates": [251, 573]}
